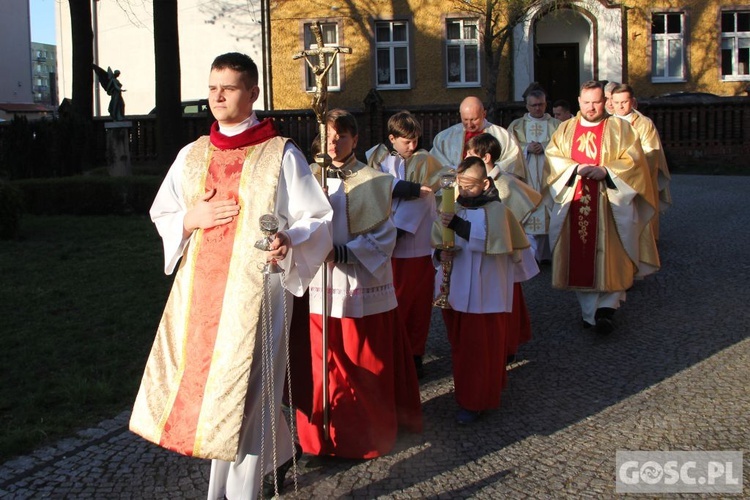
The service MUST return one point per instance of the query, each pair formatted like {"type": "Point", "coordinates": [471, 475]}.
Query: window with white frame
{"type": "Point", "coordinates": [462, 52]}
{"type": "Point", "coordinates": [668, 47]}
{"type": "Point", "coordinates": [735, 45]}
{"type": "Point", "coordinates": [330, 32]}
{"type": "Point", "coordinates": [392, 55]}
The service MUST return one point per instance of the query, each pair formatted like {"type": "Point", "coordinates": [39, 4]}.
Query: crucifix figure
{"type": "Point", "coordinates": [316, 60]}
{"type": "Point", "coordinates": [320, 69]}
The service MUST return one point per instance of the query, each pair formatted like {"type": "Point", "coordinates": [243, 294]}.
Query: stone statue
{"type": "Point", "coordinates": [113, 87]}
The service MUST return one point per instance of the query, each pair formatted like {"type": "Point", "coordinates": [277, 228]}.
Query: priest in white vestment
{"type": "Point", "coordinates": [449, 146]}
{"type": "Point", "coordinates": [533, 132]}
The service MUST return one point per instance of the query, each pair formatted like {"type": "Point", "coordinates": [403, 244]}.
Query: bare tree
{"type": "Point", "coordinates": [497, 20]}
{"type": "Point", "coordinates": [82, 105]}
{"type": "Point", "coordinates": [167, 72]}
{"type": "Point", "coordinates": [240, 17]}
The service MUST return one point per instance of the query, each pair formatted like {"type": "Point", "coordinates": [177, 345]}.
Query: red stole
{"type": "Point", "coordinates": [586, 149]}
{"type": "Point", "coordinates": [256, 134]}
{"type": "Point", "coordinates": [467, 137]}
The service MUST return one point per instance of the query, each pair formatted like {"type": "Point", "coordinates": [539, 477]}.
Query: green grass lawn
{"type": "Point", "coordinates": [80, 300]}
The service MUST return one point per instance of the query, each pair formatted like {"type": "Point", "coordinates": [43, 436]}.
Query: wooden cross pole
{"type": "Point", "coordinates": [320, 60]}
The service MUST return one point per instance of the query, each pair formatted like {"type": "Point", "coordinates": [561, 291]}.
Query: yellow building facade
{"type": "Point", "coordinates": [429, 52]}
{"type": "Point", "coordinates": [398, 47]}
{"type": "Point", "coordinates": [704, 47]}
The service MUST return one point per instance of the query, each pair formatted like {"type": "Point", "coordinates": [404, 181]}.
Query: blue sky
{"type": "Point", "coordinates": [43, 21]}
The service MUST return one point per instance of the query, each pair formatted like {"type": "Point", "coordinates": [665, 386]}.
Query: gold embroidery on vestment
{"type": "Point", "coordinates": [587, 144]}
{"type": "Point", "coordinates": [584, 212]}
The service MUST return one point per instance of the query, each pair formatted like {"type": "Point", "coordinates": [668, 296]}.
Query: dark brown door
{"type": "Point", "coordinates": [556, 70]}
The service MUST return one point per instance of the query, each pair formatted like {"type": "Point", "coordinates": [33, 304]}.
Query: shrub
{"type": "Point", "coordinates": [11, 207]}
{"type": "Point", "coordinates": [42, 148]}
{"type": "Point", "coordinates": [89, 195]}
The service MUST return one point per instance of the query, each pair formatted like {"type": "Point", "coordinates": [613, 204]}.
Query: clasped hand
{"type": "Point", "coordinates": [592, 172]}
{"type": "Point", "coordinates": [535, 148]}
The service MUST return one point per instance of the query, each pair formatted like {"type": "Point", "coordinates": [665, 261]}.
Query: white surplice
{"type": "Point", "coordinates": [482, 283]}
{"type": "Point", "coordinates": [364, 286]}
{"type": "Point", "coordinates": [414, 216]}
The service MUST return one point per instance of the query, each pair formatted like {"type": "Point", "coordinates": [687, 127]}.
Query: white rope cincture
{"type": "Point", "coordinates": [267, 381]}
{"type": "Point", "coordinates": [292, 416]}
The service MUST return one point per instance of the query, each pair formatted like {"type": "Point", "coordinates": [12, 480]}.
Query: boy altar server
{"type": "Point", "coordinates": [521, 200]}
{"type": "Point", "coordinates": [373, 386]}
{"type": "Point", "coordinates": [484, 271]}
{"type": "Point", "coordinates": [412, 212]}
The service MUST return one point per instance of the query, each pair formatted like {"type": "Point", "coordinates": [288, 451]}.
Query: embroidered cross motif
{"type": "Point", "coordinates": [536, 130]}
{"type": "Point", "coordinates": [535, 224]}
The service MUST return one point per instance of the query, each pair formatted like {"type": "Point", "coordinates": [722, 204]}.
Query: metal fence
{"type": "Point", "coordinates": [692, 132]}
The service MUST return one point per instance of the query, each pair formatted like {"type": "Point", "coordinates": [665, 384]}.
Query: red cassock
{"type": "Point", "coordinates": [519, 324]}
{"type": "Point", "coordinates": [368, 356]}
{"type": "Point", "coordinates": [414, 280]}
{"type": "Point", "coordinates": [478, 353]}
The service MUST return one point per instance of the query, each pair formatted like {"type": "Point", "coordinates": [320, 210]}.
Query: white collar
{"type": "Point", "coordinates": [245, 124]}
{"type": "Point", "coordinates": [587, 123]}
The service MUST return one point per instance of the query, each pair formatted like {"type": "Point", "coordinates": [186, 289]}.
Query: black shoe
{"type": "Point", "coordinates": [604, 323]}
{"type": "Point", "coordinates": [418, 366]}
{"type": "Point", "coordinates": [510, 359]}
{"type": "Point", "coordinates": [604, 326]}
{"type": "Point", "coordinates": [586, 325]}
{"type": "Point", "coordinates": [465, 417]}
{"type": "Point", "coordinates": [269, 488]}
{"type": "Point", "coordinates": [606, 312]}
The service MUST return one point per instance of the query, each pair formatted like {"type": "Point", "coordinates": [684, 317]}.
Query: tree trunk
{"type": "Point", "coordinates": [490, 63]}
{"type": "Point", "coordinates": [83, 57]}
{"type": "Point", "coordinates": [82, 107]}
{"type": "Point", "coordinates": [169, 135]}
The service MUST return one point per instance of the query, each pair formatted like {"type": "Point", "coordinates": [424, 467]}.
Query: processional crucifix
{"type": "Point", "coordinates": [320, 60]}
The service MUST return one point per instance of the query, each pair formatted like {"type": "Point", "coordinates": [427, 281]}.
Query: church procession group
{"type": "Point", "coordinates": [460, 226]}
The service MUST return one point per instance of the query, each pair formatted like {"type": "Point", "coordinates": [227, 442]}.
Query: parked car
{"type": "Point", "coordinates": [690, 96]}
{"type": "Point", "coordinates": [192, 107]}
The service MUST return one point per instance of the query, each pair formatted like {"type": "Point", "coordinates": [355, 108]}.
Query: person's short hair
{"type": "Point", "coordinates": [623, 88]}
{"type": "Point", "coordinates": [532, 87]}
{"type": "Point", "coordinates": [238, 62]}
{"type": "Point", "coordinates": [404, 124]}
{"type": "Point", "coordinates": [610, 86]}
{"type": "Point", "coordinates": [561, 103]}
{"type": "Point", "coordinates": [342, 121]}
{"type": "Point", "coordinates": [592, 84]}
{"type": "Point", "coordinates": [537, 94]}
{"type": "Point", "coordinates": [472, 162]}
{"type": "Point", "coordinates": [483, 144]}
{"type": "Point", "coordinates": [315, 146]}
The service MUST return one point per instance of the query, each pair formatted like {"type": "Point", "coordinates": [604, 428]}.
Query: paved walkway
{"type": "Point", "coordinates": [674, 376]}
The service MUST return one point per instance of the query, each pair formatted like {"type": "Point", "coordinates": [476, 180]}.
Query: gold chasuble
{"type": "Point", "coordinates": [597, 232]}
{"type": "Point", "coordinates": [192, 395]}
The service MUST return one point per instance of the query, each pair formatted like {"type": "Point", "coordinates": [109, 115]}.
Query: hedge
{"type": "Point", "coordinates": [88, 195]}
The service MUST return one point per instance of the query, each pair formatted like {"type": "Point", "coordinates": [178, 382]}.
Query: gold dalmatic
{"type": "Point", "coordinates": [193, 392]}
